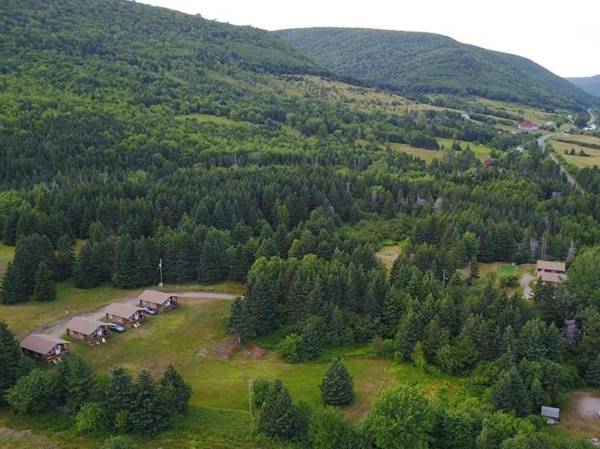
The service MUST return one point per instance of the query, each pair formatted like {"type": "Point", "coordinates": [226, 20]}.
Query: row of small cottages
{"type": "Point", "coordinates": [48, 349]}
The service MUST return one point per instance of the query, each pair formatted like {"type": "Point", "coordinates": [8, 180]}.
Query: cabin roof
{"type": "Point", "coordinates": [554, 278]}
{"type": "Point", "coordinates": [122, 310]}
{"type": "Point", "coordinates": [84, 325]}
{"type": "Point", "coordinates": [154, 296]}
{"type": "Point", "coordinates": [41, 344]}
{"type": "Point", "coordinates": [550, 265]}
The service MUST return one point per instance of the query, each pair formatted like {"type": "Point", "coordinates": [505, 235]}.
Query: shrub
{"type": "Point", "coordinates": [91, 419]}
{"type": "Point", "coordinates": [291, 348]}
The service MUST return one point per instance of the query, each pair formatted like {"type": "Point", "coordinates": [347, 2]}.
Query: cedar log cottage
{"type": "Point", "coordinates": [88, 331]}
{"type": "Point", "coordinates": [125, 314]}
{"type": "Point", "coordinates": [44, 348]}
{"type": "Point", "coordinates": [551, 272]}
{"type": "Point", "coordinates": [158, 300]}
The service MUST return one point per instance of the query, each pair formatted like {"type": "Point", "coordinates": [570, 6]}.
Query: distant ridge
{"type": "Point", "coordinates": [419, 63]}
{"type": "Point", "coordinates": [590, 84]}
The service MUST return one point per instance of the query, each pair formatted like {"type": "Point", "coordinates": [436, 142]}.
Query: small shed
{"type": "Point", "coordinates": [44, 348]}
{"type": "Point", "coordinates": [157, 300]}
{"type": "Point", "coordinates": [125, 314]}
{"type": "Point", "coordinates": [552, 414]}
{"type": "Point", "coordinates": [87, 330]}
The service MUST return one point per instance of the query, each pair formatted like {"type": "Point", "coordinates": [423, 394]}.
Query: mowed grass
{"type": "Point", "coordinates": [481, 151]}
{"type": "Point", "coordinates": [194, 339]}
{"type": "Point", "coordinates": [6, 255]}
{"type": "Point", "coordinates": [34, 315]}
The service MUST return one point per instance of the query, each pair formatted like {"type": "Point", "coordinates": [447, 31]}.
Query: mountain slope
{"type": "Point", "coordinates": [589, 84]}
{"type": "Point", "coordinates": [417, 63]}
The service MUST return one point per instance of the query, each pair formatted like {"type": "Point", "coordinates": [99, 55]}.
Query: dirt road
{"type": "Point", "coordinates": [58, 329]}
{"type": "Point", "coordinates": [525, 281]}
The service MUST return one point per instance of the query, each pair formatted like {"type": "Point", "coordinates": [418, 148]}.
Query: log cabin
{"type": "Point", "coordinates": [125, 314]}
{"type": "Point", "coordinates": [157, 300]}
{"type": "Point", "coordinates": [88, 331]}
{"type": "Point", "coordinates": [44, 348]}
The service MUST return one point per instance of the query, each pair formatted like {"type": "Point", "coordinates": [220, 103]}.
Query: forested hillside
{"type": "Point", "coordinates": [131, 134]}
{"type": "Point", "coordinates": [590, 84]}
{"type": "Point", "coordinates": [419, 63]}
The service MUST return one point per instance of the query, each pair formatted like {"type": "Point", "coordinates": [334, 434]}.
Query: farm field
{"type": "Point", "coordinates": [421, 153]}
{"type": "Point", "coordinates": [562, 148]}
{"type": "Point", "coordinates": [481, 151]}
{"type": "Point", "coordinates": [581, 138]}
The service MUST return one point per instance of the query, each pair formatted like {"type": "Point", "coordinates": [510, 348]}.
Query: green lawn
{"type": "Point", "coordinates": [421, 153]}
{"type": "Point", "coordinates": [24, 318]}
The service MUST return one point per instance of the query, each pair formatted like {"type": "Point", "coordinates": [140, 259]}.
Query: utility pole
{"type": "Point", "coordinates": [160, 266]}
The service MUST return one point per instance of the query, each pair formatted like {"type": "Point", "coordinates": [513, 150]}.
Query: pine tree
{"type": "Point", "coordinates": [337, 386]}
{"type": "Point", "coordinates": [279, 418]}
{"type": "Point", "coordinates": [509, 393]}
{"type": "Point", "coordinates": [240, 320]}
{"type": "Point", "coordinates": [213, 264]}
{"type": "Point", "coordinates": [80, 383]}
{"type": "Point", "coordinates": [85, 271]}
{"type": "Point", "coordinates": [45, 290]}
{"type": "Point", "coordinates": [592, 374]}
{"type": "Point", "coordinates": [119, 394]}
{"type": "Point", "coordinates": [10, 355]}
{"type": "Point", "coordinates": [125, 274]}
{"type": "Point", "coordinates": [148, 412]}
{"type": "Point", "coordinates": [176, 392]}
{"type": "Point", "coordinates": [65, 258]}
{"type": "Point", "coordinates": [13, 286]}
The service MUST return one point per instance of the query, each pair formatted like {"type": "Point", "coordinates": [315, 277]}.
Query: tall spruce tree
{"type": "Point", "coordinates": [213, 264]}
{"type": "Point", "coordinates": [592, 374]}
{"type": "Point", "coordinates": [510, 394]}
{"type": "Point", "coordinates": [80, 383]}
{"type": "Point", "coordinates": [337, 386]}
{"type": "Point", "coordinates": [279, 418]}
{"type": "Point", "coordinates": [149, 414]}
{"type": "Point", "coordinates": [125, 273]}
{"type": "Point", "coordinates": [13, 286]}
{"type": "Point", "coordinates": [119, 394]}
{"type": "Point", "coordinates": [175, 391]}
{"type": "Point", "coordinates": [10, 355]}
{"type": "Point", "coordinates": [241, 320]}
{"type": "Point", "coordinates": [64, 259]}
{"type": "Point", "coordinates": [44, 290]}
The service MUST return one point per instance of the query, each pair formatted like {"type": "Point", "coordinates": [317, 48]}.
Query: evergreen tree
{"type": "Point", "coordinates": [86, 272]}
{"type": "Point", "coordinates": [10, 355]}
{"type": "Point", "coordinates": [125, 273]}
{"type": "Point", "coordinates": [337, 385]}
{"type": "Point", "coordinates": [240, 320]}
{"type": "Point", "coordinates": [279, 418]}
{"type": "Point", "coordinates": [509, 393]}
{"type": "Point", "coordinates": [148, 414]}
{"type": "Point", "coordinates": [80, 383]}
{"type": "Point", "coordinates": [64, 259]}
{"type": "Point", "coordinates": [45, 290]}
{"type": "Point", "coordinates": [176, 392]}
{"type": "Point", "coordinates": [213, 264]}
{"type": "Point", "coordinates": [119, 394]}
{"type": "Point", "coordinates": [592, 374]}
{"type": "Point", "coordinates": [13, 285]}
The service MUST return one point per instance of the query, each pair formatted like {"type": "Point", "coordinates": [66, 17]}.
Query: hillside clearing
{"type": "Point", "coordinates": [480, 150]}
{"type": "Point", "coordinates": [388, 255]}
{"type": "Point", "coordinates": [580, 418]}
{"type": "Point", "coordinates": [577, 160]}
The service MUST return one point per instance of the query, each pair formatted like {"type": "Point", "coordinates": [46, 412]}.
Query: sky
{"type": "Point", "coordinates": [563, 36]}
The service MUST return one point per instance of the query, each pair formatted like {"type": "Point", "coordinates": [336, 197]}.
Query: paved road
{"type": "Point", "coordinates": [541, 141]}
{"type": "Point", "coordinates": [58, 329]}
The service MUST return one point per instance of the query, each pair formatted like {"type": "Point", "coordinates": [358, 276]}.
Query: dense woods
{"type": "Point", "coordinates": [130, 135]}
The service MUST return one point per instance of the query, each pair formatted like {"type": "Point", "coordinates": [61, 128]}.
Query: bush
{"type": "Point", "coordinates": [291, 348]}
{"type": "Point", "coordinates": [259, 390]}
{"type": "Point", "coordinates": [91, 419]}
{"type": "Point", "coordinates": [32, 394]}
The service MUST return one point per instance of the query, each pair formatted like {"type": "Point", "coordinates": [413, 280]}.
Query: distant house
{"type": "Point", "coordinates": [125, 314]}
{"type": "Point", "coordinates": [44, 348]}
{"type": "Point", "coordinates": [552, 414]}
{"type": "Point", "coordinates": [551, 272]}
{"type": "Point", "coordinates": [488, 162]}
{"type": "Point", "coordinates": [157, 300]}
{"type": "Point", "coordinates": [526, 125]}
{"type": "Point", "coordinates": [465, 116]}
{"type": "Point", "coordinates": [88, 331]}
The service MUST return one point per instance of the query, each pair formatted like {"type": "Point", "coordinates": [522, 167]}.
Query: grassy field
{"type": "Point", "coordinates": [24, 318]}
{"type": "Point", "coordinates": [6, 255]}
{"type": "Point", "coordinates": [388, 254]}
{"type": "Point", "coordinates": [421, 153]}
{"type": "Point", "coordinates": [562, 148]}
{"type": "Point", "coordinates": [480, 150]}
